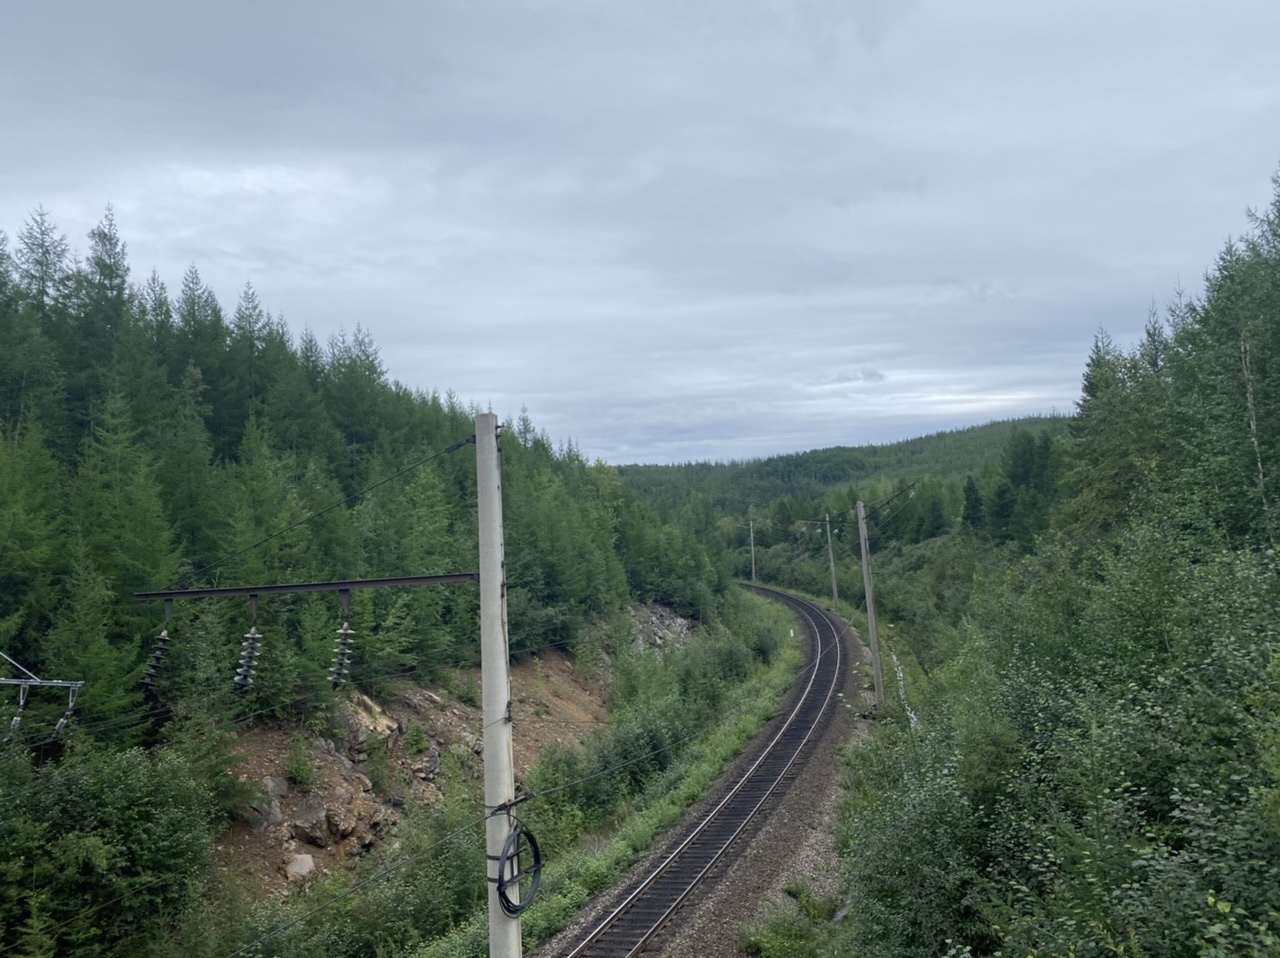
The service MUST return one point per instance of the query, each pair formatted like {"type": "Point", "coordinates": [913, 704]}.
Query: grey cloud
{"type": "Point", "coordinates": [643, 218]}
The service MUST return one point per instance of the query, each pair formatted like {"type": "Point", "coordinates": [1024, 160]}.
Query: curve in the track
{"type": "Point", "coordinates": [634, 922]}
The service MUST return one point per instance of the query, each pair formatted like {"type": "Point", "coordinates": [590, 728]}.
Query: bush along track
{"type": "Point", "coordinates": [688, 713]}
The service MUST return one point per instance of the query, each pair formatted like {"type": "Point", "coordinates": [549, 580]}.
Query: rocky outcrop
{"type": "Point", "coordinates": [311, 821]}
{"type": "Point", "coordinates": [299, 867]}
{"type": "Point", "coordinates": [426, 765]}
{"type": "Point", "coordinates": [267, 805]}
{"type": "Point", "coordinates": [348, 817]}
{"type": "Point", "coordinates": [275, 786]}
{"type": "Point", "coordinates": [655, 626]}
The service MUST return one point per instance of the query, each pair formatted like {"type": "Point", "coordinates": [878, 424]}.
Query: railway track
{"type": "Point", "coordinates": [709, 841]}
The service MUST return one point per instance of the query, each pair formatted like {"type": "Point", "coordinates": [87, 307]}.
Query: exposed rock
{"type": "Point", "coordinates": [300, 867]}
{"type": "Point", "coordinates": [427, 764]}
{"type": "Point", "coordinates": [363, 717]}
{"type": "Point", "coordinates": [275, 786]}
{"type": "Point", "coordinates": [340, 815]}
{"type": "Point", "coordinates": [270, 814]}
{"type": "Point", "coordinates": [310, 821]}
{"type": "Point", "coordinates": [656, 626]}
{"type": "Point", "coordinates": [345, 817]}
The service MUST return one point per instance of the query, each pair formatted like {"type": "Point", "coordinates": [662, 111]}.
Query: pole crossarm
{"type": "Point", "coordinates": [43, 683]}
{"type": "Point", "coordinates": [343, 586]}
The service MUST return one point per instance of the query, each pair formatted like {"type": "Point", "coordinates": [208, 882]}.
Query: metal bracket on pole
{"type": "Point", "coordinates": [35, 682]}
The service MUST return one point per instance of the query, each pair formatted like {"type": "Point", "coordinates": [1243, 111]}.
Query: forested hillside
{"type": "Point", "coordinates": [1084, 613]}
{"type": "Point", "coordinates": [734, 487]}
{"type": "Point", "coordinates": [1084, 755]}
{"type": "Point", "coordinates": [151, 440]}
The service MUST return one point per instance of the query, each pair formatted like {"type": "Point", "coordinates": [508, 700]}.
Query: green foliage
{"type": "Point", "coordinates": [147, 441]}
{"type": "Point", "coordinates": [415, 740]}
{"type": "Point", "coordinates": [590, 837]}
{"type": "Point", "coordinates": [298, 766]}
{"type": "Point", "coordinates": [464, 686]}
{"type": "Point", "coordinates": [808, 476]}
{"type": "Point", "coordinates": [151, 442]}
{"type": "Point", "coordinates": [377, 768]}
{"type": "Point", "coordinates": [1094, 769]}
{"type": "Point", "coordinates": [792, 930]}
{"type": "Point", "coordinates": [99, 850]}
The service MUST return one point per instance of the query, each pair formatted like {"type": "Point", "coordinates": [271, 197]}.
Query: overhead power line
{"type": "Point", "coordinates": [315, 515]}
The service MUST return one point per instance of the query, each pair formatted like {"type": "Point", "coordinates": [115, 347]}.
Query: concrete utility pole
{"type": "Point", "coordinates": [495, 680]}
{"type": "Point", "coordinates": [871, 606]}
{"type": "Point", "coordinates": [831, 556]}
{"type": "Point", "coordinates": [752, 526]}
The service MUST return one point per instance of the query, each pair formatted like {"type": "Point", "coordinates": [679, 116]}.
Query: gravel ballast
{"type": "Point", "coordinates": [792, 840]}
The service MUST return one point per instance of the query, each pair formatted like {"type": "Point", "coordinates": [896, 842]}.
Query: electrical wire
{"type": "Point", "coordinates": [888, 499]}
{"type": "Point", "coordinates": [884, 499]}
{"type": "Point", "coordinates": [315, 515]}
{"type": "Point", "coordinates": [139, 717]}
{"type": "Point", "coordinates": [141, 714]}
{"type": "Point", "coordinates": [378, 876]}
{"type": "Point", "coordinates": [530, 797]}
{"type": "Point", "coordinates": [33, 741]}
{"type": "Point", "coordinates": [89, 911]}
{"type": "Point", "coordinates": [885, 522]}
{"type": "Point", "coordinates": [231, 724]}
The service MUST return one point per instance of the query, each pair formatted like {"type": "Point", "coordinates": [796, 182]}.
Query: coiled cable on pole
{"type": "Point", "coordinates": [512, 869]}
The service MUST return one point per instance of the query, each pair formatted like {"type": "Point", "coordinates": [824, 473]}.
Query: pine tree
{"type": "Point", "coordinates": [160, 322]}
{"type": "Point", "coordinates": [43, 260]}
{"type": "Point", "coordinates": [117, 506]}
{"type": "Point", "coordinates": [86, 645]}
{"type": "Point", "coordinates": [32, 282]}
{"type": "Point", "coordinates": [972, 516]}
{"type": "Point", "coordinates": [189, 481]}
{"type": "Point", "coordinates": [31, 553]}
{"type": "Point", "coordinates": [244, 383]}
{"type": "Point", "coordinates": [202, 342]}
{"type": "Point", "coordinates": [106, 285]}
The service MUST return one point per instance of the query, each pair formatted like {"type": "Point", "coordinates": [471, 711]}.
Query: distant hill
{"type": "Point", "coordinates": [733, 486]}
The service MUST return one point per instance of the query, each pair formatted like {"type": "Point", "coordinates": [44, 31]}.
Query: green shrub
{"type": "Point", "coordinates": [298, 767]}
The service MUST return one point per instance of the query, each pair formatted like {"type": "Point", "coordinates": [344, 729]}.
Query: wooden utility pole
{"type": "Point", "coordinates": [752, 526]}
{"type": "Point", "coordinates": [495, 680]}
{"type": "Point", "coordinates": [831, 557]}
{"type": "Point", "coordinates": [876, 670]}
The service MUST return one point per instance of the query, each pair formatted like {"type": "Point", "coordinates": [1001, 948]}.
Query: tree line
{"type": "Point", "coordinates": [152, 440]}
{"type": "Point", "coordinates": [1087, 628]}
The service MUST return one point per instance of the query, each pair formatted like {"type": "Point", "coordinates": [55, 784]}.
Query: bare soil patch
{"type": "Point", "coordinates": [551, 702]}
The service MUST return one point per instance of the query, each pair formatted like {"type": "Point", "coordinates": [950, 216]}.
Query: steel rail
{"type": "Point", "coordinates": [643, 913]}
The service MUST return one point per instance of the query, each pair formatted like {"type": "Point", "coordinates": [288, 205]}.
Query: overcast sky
{"type": "Point", "coordinates": [672, 229]}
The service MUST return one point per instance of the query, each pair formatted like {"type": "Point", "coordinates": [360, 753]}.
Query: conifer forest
{"type": "Point", "coordinates": [1079, 751]}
